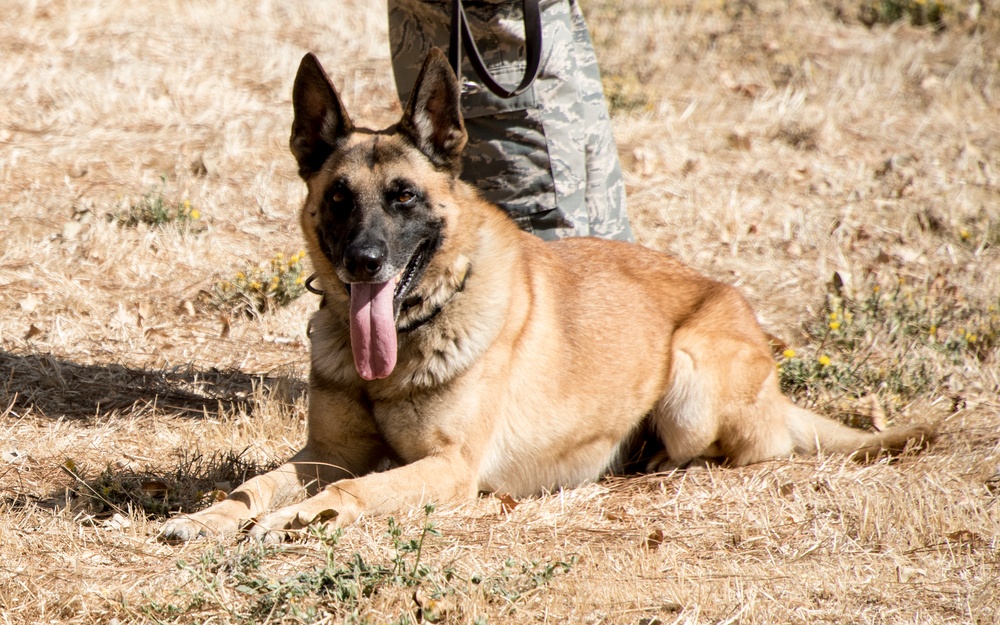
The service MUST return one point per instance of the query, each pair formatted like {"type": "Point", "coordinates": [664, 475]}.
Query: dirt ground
{"type": "Point", "coordinates": [838, 161]}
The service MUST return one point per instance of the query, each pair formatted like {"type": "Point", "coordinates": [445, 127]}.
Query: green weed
{"type": "Point", "coordinates": [343, 585]}
{"type": "Point", "coordinates": [894, 341]}
{"type": "Point", "coordinates": [625, 93]}
{"type": "Point", "coordinates": [917, 12]}
{"type": "Point", "coordinates": [256, 289]}
{"type": "Point", "coordinates": [155, 210]}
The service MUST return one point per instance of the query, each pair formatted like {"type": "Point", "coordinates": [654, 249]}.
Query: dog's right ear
{"type": "Point", "coordinates": [320, 118]}
{"type": "Point", "coordinates": [433, 117]}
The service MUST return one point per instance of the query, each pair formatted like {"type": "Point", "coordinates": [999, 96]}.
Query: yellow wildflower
{"type": "Point", "coordinates": [195, 214]}
{"type": "Point", "coordinates": [788, 353]}
{"type": "Point", "coordinates": [834, 325]}
{"type": "Point", "coordinates": [255, 285]}
{"type": "Point", "coordinates": [965, 234]}
{"type": "Point", "coordinates": [824, 360]}
{"type": "Point", "coordinates": [833, 316]}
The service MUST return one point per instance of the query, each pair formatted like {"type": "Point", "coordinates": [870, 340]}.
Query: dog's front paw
{"type": "Point", "coordinates": [191, 526]}
{"type": "Point", "coordinates": [282, 524]}
{"type": "Point", "coordinates": [279, 526]}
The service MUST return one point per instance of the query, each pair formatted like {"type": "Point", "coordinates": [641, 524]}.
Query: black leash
{"type": "Point", "coordinates": [460, 33]}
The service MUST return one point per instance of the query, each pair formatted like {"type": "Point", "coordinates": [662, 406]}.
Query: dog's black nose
{"type": "Point", "coordinates": [364, 261]}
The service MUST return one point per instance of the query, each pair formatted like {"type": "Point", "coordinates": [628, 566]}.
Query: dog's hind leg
{"type": "Point", "coordinates": [683, 418]}
{"type": "Point", "coordinates": [723, 401]}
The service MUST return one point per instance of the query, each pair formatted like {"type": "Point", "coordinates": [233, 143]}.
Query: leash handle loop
{"type": "Point", "coordinates": [461, 33]}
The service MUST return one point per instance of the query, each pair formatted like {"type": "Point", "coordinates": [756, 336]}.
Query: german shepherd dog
{"type": "Point", "coordinates": [455, 354]}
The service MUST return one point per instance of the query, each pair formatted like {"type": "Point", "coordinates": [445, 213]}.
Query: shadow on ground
{"type": "Point", "coordinates": [55, 388]}
{"type": "Point", "coordinates": [49, 387]}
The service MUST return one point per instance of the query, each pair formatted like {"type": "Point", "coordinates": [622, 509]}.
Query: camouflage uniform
{"type": "Point", "coordinates": [546, 156]}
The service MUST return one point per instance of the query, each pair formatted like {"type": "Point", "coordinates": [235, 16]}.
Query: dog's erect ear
{"type": "Point", "coordinates": [320, 118]}
{"type": "Point", "coordinates": [433, 117]}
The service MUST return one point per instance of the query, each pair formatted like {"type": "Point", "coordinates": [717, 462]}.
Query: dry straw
{"type": "Point", "coordinates": [788, 148]}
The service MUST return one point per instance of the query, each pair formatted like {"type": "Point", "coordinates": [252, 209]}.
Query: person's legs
{"type": "Point", "coordinates": [605, 185]}
{"type": "Point", "coordinates": [547, 157]}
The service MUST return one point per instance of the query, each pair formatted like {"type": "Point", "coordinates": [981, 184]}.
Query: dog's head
{"type": "Point", "coordinates": [374, 212]}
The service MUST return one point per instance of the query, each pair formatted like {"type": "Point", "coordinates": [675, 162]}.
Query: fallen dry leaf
{"type": "Point", "coordinates": [508, 503]}
{"type": "Point", "coordinates": [654, 540]}
{"type": "Point", "coordinates": [964, 537]}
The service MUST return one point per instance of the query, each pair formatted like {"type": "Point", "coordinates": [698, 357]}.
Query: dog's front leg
{"type": "Point", "coordinates": [440, 477]}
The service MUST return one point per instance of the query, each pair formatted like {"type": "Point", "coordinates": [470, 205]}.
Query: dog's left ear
{"type": "Point", "coordinates": [320, 118]}
{"type": "Point", "coordinates": [433, 117]}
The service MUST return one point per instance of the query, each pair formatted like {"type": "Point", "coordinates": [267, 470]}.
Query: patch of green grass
{"type": "Point", "coordinates": [917, 12]}
{"type": "Point", "coordinates": [342, 585]}
{"type": "Point", "coordinates": [258, 288]}
{"type": "Point", "coordinates": [893, 340]}
{"type": "Point", "coordinates": [625, 93]}
{"type": "Point", "coordinates": [155, 210]}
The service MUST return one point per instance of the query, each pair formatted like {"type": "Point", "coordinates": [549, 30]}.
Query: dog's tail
{"type": "Point", "coordinates": [812, 432]}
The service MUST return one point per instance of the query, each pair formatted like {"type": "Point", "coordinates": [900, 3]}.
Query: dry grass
{"type": "Point", "coordinates": [769, 144]}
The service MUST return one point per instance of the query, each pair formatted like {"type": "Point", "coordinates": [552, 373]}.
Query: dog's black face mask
{"type": "Point", "coordinates": [378, 235]}
{"type": "Point", "coordinates": [375, 224]}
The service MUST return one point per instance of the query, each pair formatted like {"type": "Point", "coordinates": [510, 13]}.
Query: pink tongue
{"type": "Point", "coordinates": [373, 329]}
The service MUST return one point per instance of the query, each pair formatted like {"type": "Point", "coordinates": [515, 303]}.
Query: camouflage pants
{"type": "Point", "coordinates": [547, 156]}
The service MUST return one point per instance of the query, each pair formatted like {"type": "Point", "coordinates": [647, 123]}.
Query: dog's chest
{"type": "Point", "coordinates": [413, 428]}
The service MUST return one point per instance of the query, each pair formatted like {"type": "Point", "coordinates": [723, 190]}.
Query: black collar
{"type": "Point", "coordinates": [413, 325]}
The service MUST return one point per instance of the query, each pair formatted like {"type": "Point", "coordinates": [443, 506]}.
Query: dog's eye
{"type": "Point", "coordinates": [405, 197]}
{"type": "Point", "coordinates": [338, 194]}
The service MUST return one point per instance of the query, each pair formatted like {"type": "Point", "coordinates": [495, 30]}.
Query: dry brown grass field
{"type": "Point", "coordinates": [839, 165]}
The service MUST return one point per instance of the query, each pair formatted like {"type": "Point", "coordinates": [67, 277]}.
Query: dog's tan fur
{"type": "Point", "coordinates": [542, 365]}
